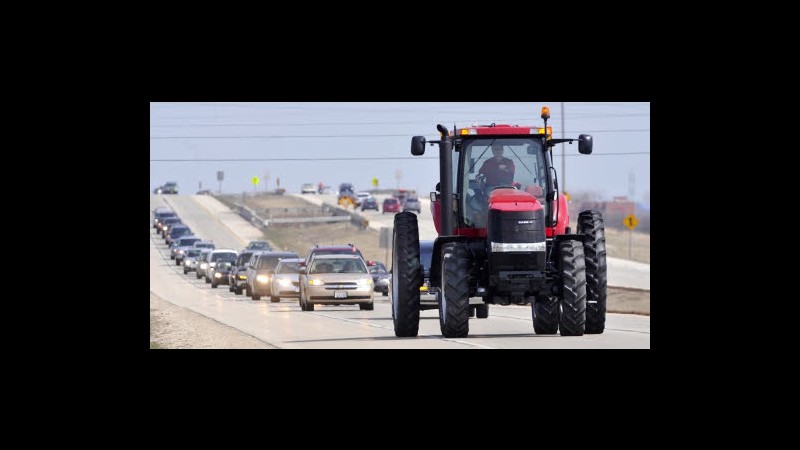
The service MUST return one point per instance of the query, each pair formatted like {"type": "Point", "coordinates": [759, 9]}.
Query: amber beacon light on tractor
{"type": "Point", "coordinates": [503, 235]}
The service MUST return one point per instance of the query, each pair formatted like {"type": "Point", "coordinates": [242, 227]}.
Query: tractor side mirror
{"type": "Point", "coordinates": [585, 144]}
{"type": "Point", "coordinates": [418, 145]}
{"type": "Point", "coordinates": [439, 187]}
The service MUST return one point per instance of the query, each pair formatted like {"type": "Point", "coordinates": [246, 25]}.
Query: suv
{"type": "Point", "coordinates": [338, 279]}
{"type": "Point", "coordinates": [258, 245]}
{"type": "Point", "coordinates": [214, 257]}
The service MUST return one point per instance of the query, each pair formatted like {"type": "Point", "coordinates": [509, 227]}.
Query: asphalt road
{"type": "Point", "coordinates": [283, 324]}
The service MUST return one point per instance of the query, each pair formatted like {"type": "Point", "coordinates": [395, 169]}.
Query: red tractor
{"type": "Point", "coordinates": [503, 239]}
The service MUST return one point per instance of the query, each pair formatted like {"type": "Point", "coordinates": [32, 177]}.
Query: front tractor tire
{"type": "Point", "coordinates": [454, 298]}
{"type": "Point", "coordinates": [590, 225]}
{"type": "Point", "coordinates": [406, 275]}
{"type": "Point", "coordinates": [572, 266]}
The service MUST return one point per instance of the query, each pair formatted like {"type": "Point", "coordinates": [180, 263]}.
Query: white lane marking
{"type": "Point", "coordinates": [427, 336]}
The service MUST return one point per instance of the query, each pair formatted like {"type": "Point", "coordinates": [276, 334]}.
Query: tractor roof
{"type": "Point", "coordinates": [501, 129]}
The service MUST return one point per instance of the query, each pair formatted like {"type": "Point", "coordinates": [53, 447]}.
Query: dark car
{"type": "Point", "coordinates": [412, 204]}
{"type": "Point", "coordinates": [176, 231]}
{"type": "Point", "coordinates": [203, 192]}
{"type": "Point", "coordinates": [258, 245]}
{"type": "Point", "coordinates": [165, 222]}
{"type": "Point", "coordinates": [380, 277]}
{"type": "Point", "coordinates": [221, 272]}
{"type": "Point", "coordinates": [161, 213]}
{"type": "Point", "coordinates": [237, 277]}
{"type": "Point", "coordinates": [391, 204]}
{"type": "Point", "coordinates": [369, 203]}
{"type": "Point", "coordinates": [259, 274]}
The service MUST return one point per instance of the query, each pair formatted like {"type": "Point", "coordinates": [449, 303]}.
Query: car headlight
{"type": "Point", "coordinates": [262, 278]}
{"type": "Point", "coordinates": [364, 282]}
{"type": "Point", "coordinates": [316, 282]}
{"type": "Point", "coordinates": [242, 277]}
{"type": "Point", "coordinates": [204, 266]}
{"type": "Point", "coordinates": [284, 282]}
{"type": "Point", "coordinates": [180, 252]}
{"type": "Point", "coordinates": [217, 275]}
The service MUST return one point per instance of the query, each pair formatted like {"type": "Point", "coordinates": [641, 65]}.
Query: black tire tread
{"type": "Point", "coordinates": [405, 245]}
{"type": "Point", "coordinates": [572, 265]}
{"type": "Point", "coordinates": [456, 283]}
{"type": "Point", "coordinates": [590, 224]}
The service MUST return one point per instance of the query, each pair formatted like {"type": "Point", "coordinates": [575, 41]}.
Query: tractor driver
{"type": "Point", "coordinates": [498, 171]}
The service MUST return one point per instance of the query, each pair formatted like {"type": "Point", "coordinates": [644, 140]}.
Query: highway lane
{"type": "Point", "coordinates": [621, 272]}
{"type": "Point", "coordinates": [285, 326]}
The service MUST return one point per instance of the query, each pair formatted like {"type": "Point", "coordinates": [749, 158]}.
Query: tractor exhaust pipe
{"type": "Point", "coordinates": [446, 177]}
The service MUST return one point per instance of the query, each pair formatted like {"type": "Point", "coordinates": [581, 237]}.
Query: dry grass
{"type": "Point", "coordinates": [617, 244]}
{"type": "Point", "coordinates": [628, 301]}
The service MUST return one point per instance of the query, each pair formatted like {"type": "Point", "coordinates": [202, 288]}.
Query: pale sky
{"type": "Point", "coordinates": [378, 130]}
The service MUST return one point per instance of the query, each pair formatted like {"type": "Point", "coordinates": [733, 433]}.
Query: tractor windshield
{"type": "Point", "coordinates": [491, 162]}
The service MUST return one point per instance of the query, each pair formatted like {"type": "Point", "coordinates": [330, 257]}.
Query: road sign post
{"type": "Point", "coordinates": [220, 177]}
{"type": "Point", "coordinates": [630, 221]}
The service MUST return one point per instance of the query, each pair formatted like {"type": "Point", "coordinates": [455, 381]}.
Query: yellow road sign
{"type": "Point", "coordinates": [255, 180]}
{"type": "Point", "coordinates": [375, 181]}
{"type": "Point", "coordinates": [630, 221]}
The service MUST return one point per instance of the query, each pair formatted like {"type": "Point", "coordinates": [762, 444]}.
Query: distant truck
{"type": "Point", "coordinates": [170, 187]}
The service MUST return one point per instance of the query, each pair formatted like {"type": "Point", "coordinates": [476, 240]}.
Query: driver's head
{"type": "Point", "coordinates": [497, 150]}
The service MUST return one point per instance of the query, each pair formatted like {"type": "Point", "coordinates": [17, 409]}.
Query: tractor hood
{"type": "Point", "coordinates": [510, 199]}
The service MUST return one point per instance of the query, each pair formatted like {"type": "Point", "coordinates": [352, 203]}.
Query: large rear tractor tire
{"type": "Point", "coordinates": [406, 275]}
{"type": "Point", "coordinates": [545, 312]}
{"type": "Point", "coordinates": [454, 299]}
{"type": "Point", "coordinates": [572, 266]}
{"type": "Point", "coordinates": [590, 224]}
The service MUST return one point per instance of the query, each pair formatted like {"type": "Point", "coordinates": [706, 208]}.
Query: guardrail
{"type": "Point", "coordinates": [336, 214]}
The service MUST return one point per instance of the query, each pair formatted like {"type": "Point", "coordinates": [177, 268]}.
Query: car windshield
{"type": "Point", "coordinates": [188, 241]}
{"type": "Point", "coordinates": [268, 262]}
{"type": "Point", "coordinates": [204, 245]}
{"type": "Point", "coordinates": [289, 267]}
{"type": "Point", "coordinates": [338, 265]}
{"type": "Point", "coordinates": [223, 257]}
{"type": "Point", "coordinates": [243, 258]}
{"type": "Point", "coordinates": [377, 268]}
{"type": "Point", "coordinates": [192, 252]}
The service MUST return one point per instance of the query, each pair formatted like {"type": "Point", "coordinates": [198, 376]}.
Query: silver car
{"type": "Point", "coordinates": [336, 280]}
{"type": "Point", "coordinates": [286, 281]}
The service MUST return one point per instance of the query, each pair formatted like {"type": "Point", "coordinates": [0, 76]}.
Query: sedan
{"type": "Point", "coordinates": [286, 281]}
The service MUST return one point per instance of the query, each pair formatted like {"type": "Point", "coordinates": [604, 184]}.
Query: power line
{"type": "Point", "coordinates": [367, 158]}
{"type": "Point", "coordinates": [334, 136]}
{"type": "Point", "coordinates": [301, 124]}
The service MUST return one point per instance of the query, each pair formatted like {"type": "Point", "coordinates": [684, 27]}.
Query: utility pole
{"type": "Point", "coordinates": [563, 153]}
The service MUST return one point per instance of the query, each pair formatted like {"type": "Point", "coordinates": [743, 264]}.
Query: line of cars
{"type": "Point", "coordinates": [333, 275]}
